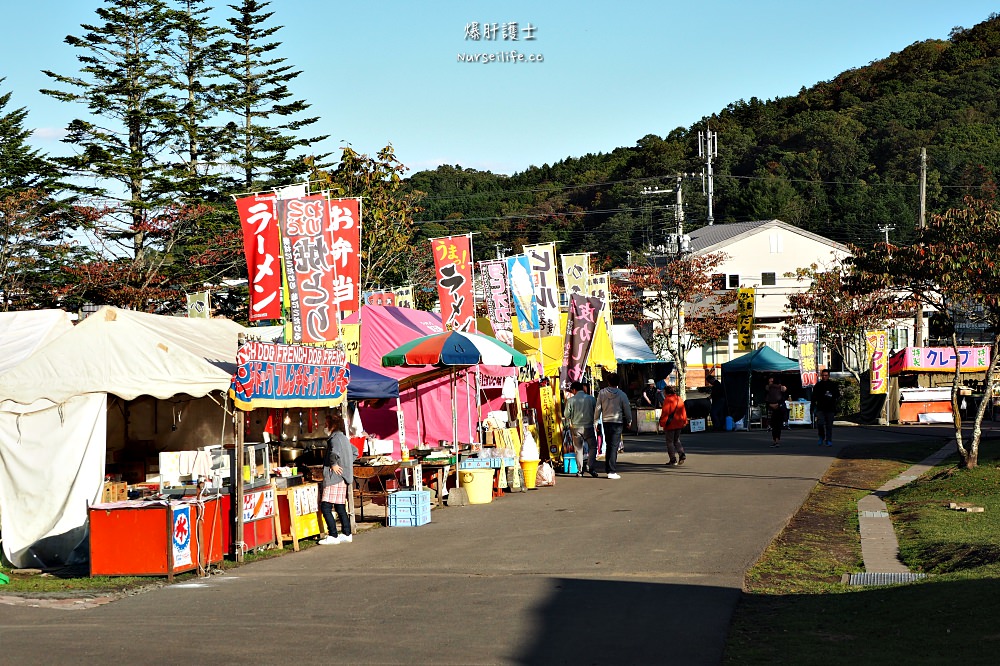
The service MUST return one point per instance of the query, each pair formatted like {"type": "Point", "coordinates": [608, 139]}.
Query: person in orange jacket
{"type": "Point", "coordinates": [673, 418]}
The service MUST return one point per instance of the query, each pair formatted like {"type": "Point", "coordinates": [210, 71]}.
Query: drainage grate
{"type": "Point", "coordinates": [873, 514]}
{"type": "Point", "coordinates": [883, 578]}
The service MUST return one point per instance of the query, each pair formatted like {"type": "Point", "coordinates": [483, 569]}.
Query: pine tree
{"type": "Point", "coordinates": [195, 56]}
{"type": "Point", "coordinates": [265, 134]}
{"type": "Point", "coordinates": [121, 83]}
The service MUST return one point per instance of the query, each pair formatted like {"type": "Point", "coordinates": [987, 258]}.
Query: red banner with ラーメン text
{"type": "Point", "coordinates": [453, 265]}
{"type": "Point", "coordinates": [261, 247]}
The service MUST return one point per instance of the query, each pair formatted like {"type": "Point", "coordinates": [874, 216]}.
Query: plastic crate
{"type": "Point", "coordinates": [569, 463]}
{"type": "Point", "coordinates": [496, 463]}
{"type": "Point", "coordinates": [408, 516]}
{"type": "Point", "coordinates": [408, 522]}
{"type": "Point", "coordinates": [410, 498]}
{"type": "Point", "coordinates": [510, 462]}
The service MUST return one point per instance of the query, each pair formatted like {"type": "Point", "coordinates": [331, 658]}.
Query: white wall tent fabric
{"type": "Point", "coordinates": [53, 421]}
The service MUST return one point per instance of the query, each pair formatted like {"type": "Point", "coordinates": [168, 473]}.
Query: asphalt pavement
{"type": "Point", "coordinates": [642, 570]}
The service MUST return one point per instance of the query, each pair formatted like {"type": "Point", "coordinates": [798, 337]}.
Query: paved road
{"type": "Point", "coordinates": [646, 569]}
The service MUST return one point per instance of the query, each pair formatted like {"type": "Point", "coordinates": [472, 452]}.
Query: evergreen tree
{"type": "Point", "coordinates": [35, 229]}
{"type": "Point", "coordinates": [195, 56]}
{"type": "Point", "coordinates": [265, 132]}
{"type": "Point", "coordinates": [121, 83]}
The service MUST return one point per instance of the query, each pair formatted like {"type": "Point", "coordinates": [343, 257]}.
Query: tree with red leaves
{"type": "Point", "coordinates": [679, 300]}
{"type": "Point", "coordinates": [952, 266]}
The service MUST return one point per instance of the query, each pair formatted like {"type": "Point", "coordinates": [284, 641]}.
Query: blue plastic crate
{"type": "Point", "coordinates": [400, 517]}
{"type": "Point", "coordinates": [409, 511]}
{"type": "Point", "coordinates": [407, 522]}
{"type": "Point", "coordinates": [410, 498]}
{"type": "Point", "coordinates": [510, 462]}
{"type": "Point", "coordinates": [496, 463]}
{"type": "Point", "coordinates": [569, 463]}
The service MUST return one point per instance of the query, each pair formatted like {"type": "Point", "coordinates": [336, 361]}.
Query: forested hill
{"type": "Point", "coordinates": [841, 158]}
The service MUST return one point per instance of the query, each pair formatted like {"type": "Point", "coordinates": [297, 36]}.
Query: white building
{"type": "Point", "coordinates": [760, 254]}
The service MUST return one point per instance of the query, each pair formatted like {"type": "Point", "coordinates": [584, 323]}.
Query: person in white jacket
{"type": "Point", "coordinates": [614, 410]}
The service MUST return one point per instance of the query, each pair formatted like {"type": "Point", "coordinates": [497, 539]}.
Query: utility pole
{"type": "Point", "coordinates": [708, 147]}
{"type": "Point", "coordinates": [886, 229]}
{"type": "Point", "coordinates": [918, 319]}
{"type": "Point", "coordinates": [922, 222]}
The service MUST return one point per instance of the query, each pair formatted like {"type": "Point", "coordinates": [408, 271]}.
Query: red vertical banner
{"type": "Point", "coordinates": [308, 271]}
{"type": "Point", "coordinates": [262, 250]}
{"type": "Point", "coordinates": [453, 266]}
{"type": "Point", "coordinates": [343, 233]}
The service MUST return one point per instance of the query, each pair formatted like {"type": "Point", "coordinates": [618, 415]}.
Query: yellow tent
{"type": "Point", "coordinates": [601, 353]}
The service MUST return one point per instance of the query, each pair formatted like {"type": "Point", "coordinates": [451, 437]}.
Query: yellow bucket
{"type": "Point", "coordinates": [530, 468]}
{"type": "Point", "coordinates": [478, 484]}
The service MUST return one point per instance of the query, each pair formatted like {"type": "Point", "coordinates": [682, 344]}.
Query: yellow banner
{"type": "Point", "coordinates": [877, 343]}
{"type": "Point", "coordinates": [551, 422]}
{"type": "Point", "coordinates": [745, 297]}
{"type": "Point", "coordinates": [351, 335]}
{"type": "Point", "coordinates": [576, 274]}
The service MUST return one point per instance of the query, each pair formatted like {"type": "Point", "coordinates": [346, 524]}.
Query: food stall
{"type": "Point", "coordinates": [920, 381]}
{"type": "Point", "coordinates": [157, 538]}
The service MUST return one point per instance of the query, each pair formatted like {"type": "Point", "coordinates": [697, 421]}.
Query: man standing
{"type": "Point", "coordinates": [578, 415]}
{"type": "Point", "coordinates": [651, 397]}
{"type": "Point", "coordinates": [718, 397]}
{"type": "Point", "coordinates": [825, 398]}
{"type": "Point", "coordinates": [614, 410]}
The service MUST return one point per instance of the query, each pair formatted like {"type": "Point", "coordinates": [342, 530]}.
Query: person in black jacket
{"type": "Point", "coordinates": [825, 398]}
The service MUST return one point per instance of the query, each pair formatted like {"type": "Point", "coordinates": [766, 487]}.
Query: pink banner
{"type": "Point", "coordinates": [308, 269]}
{"type": "Point", "coordinates": [493, 274]}
{"type": "Point", "coordinates": [939, 359]}
{"type": "Point", "coordinates": [453, 263]}
{"type": "Point", "coordinates": [580, 327]}
{"type": "Point", "coordinates": [261, 247]}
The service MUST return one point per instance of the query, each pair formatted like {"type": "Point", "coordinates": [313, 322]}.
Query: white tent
{"type": "Point", "coordinates": [23, 332]}
{"type": "Point", "coordinates": [53, 423]}
{"type": "Point", "coordinates": [630, 347]}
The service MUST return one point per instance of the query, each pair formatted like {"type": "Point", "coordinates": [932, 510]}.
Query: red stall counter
{"type": "Point", "coordinates": [157, 538]}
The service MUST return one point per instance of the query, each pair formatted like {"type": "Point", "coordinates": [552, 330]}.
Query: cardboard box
{"type": "Point", "coordinates": [114, 491]}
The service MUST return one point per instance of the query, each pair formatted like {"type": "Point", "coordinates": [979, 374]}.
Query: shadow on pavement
{"type": "Point", "coordinates": [615, 622]}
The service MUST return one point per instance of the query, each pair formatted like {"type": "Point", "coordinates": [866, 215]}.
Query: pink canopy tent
{"type": "Point", "coordinates": [426, 405]}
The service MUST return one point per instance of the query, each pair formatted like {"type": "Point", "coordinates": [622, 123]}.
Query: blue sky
{"type": "Point", "coordinates": [612, 72]}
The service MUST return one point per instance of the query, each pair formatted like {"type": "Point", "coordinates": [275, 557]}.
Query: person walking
{"type": "Point", "coordinates": [338, 478]}
{"type": "Point", "coordinates": [774, 398]}
{"type": "Point", "coordinates": [825, 398]}
{"type": "Point", "coordinates": [578, 415]}
{"type": "Point", "coordinates": [673, 418]}
{"type": "Point", "coordinates": [615, 412]}
{"type": "Point", "coordinates": [718, 397]}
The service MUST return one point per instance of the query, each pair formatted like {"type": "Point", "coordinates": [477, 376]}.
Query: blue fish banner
{"type": "Point", "coordinates": [269, 374]}
{"type": "Point", "coordinates": [522, 292]}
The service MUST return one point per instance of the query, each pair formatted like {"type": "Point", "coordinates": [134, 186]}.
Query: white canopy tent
{"type": "Point", "coordinates": [53, 422]}
{"type": "Point", "coordinates": [630, 347]}
{"type": "Point", "coordinates": [22, 333]}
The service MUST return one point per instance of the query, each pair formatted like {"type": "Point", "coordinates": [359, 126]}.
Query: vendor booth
{"type": "Point", "coordinates": [636, 365]}
{"type": "Point", "coordinates": [920, 381]}
{"type": "Point", "coordinates": [102, 388]}
{"type": "Point", "coordinates": [745, 377]}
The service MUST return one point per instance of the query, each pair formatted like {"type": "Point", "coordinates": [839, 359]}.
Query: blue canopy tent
{"type": "Point", "coordinates": [745, 376]}
{"type": "Point", "coordinates": [369, 385]}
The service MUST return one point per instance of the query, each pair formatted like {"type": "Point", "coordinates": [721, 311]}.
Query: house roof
{"type": "Point", "coordinates": [717, 236]}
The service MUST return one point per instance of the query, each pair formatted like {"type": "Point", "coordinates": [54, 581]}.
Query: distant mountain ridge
{"type": "Point", "coordinates": [840, 159]}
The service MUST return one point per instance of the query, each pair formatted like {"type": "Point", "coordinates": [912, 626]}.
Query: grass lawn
{"type": "Point", "coordinates": [795, 609]}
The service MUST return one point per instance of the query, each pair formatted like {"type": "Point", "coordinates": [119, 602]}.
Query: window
{"type": "Point", "coordinates": [734, 281]}
{"type": "Point", "coordinates": [718, 281]}
{"type": "Point", "coordinates": [767, 279]}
